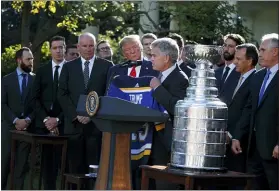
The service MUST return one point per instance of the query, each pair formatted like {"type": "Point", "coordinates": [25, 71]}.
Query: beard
{"type": "Point", "coordinates": [25, 68]}
{"type": "Point", "coordinates": [228, 56]}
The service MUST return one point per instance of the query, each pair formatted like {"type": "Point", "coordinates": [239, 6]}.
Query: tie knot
{"type": "Point", "coordinates": [57, 67]}
{"type": "Point", "coordinates": [227, 68]}
{"type": "Point", "coordinates": [23, 75]}
{"type": "Point", "coordinates": [160, 76]}
{"type": "Point", "coordinates": [268, 72]}
{"type": "Point", "coordinates": [86, 63]}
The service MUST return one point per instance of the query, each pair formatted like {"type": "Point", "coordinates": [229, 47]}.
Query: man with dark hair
{"type": "Point", "coordinates": [17, 114]}
{"type": "Point", "coordinates": [259, 119]}
{"type": "Point", "coordinates": [184, 66]}
{"type": "Point", "coordinates": [71, 52]}
{"type": "Point", "coordinates": [246, 58]}
{"type": "Point", "coordinates": [104, 50]}
{"type": "Point", "coordinates": [49, 115]}
{"type": "Point", "coordinates": [146, 41]}
{"type": "Point", "coordinates": [227, 77]}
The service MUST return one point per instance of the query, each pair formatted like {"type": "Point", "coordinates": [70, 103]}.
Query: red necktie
{"type": "Point", "coordinates": [133, 72]}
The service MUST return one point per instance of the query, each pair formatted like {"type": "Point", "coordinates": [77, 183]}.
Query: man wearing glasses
{"type": "Point", "coordinates": [104, 50]}
{"type": "Point", "coordinates": [71, 52]}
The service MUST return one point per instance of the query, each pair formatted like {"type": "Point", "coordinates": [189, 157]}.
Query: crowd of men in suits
{"type": "Point", "coordinates": [46, 103]}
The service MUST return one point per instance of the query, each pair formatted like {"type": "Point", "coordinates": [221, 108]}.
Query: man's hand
{"type": "Point", "coordinates": [236, 147]}
{"type": "Point", "coordinates": [275, 153]}
{"type": "Point", "coordinates": [83, 120]}
{"type": "Point", "coordinates": [154, 83]}
{"type": "Point", "coordinates": [51, 123]}
{"type": "Point", "coordinates": [21, 124]}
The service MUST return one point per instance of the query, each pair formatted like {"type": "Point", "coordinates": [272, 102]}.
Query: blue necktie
{"type": "Point", "coordinates": [263, 86]}
{"type": "Point", "coordinates": [23, 86]}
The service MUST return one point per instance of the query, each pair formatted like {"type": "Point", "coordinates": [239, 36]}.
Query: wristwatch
{"type": "Point", "coordinates": [57, 119]}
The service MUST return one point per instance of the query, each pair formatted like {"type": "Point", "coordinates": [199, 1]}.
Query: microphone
{"type": "Point", "coordinates": [131, 63]}
{"type": "Point", "coordinates": [112, 77]}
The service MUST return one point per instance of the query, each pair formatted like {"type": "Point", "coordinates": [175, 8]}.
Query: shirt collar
{"type": "Point", "coordinates": [91, 60]}
{"type": "Point", "coordinates": [60, 64]}
{"type": "Point", "coordinates": [168, 71]}
{"type": "Point", "coordinates": [179, 62]}
{"type": "Point", "coordinates": [231, 66]}
{"type": "Point", "coordinates": [19, 71]}
{"type": "Point", "coordinates": [247, 74]}
{"type": "Point", "coordinates": [274, 69]}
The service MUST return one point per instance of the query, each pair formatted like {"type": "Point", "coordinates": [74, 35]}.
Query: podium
{"type": "Point", "coordinates": [117, 119]}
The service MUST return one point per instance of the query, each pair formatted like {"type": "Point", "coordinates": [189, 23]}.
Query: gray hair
{"type": "Point", "coordinates": [88, 34]}
{"type": "Point", "coordinates": [130, 38]}
{"type": "Point", "coordinates": [273, 40]}
{"type": "Point", "coordinates": [168, 47]}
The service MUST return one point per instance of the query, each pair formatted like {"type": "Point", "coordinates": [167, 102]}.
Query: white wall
{"type": "Point", "coordinates": [261, 17]}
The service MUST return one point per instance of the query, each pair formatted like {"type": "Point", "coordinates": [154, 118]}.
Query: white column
{"type": "Point", "coordinates": [152, 8]}
{"type": "Point", "coordinates": [92, 29]}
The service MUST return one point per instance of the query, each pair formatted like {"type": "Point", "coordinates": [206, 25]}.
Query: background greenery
{"type": "Point", "coordinates": [32, 24]}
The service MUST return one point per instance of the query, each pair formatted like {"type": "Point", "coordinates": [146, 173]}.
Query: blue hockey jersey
{"type": "Point", "coordinates": [137, 90]}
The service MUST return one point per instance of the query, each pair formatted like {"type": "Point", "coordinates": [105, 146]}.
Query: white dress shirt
{"type": "Point", "coordinates": [167, 72]}
{"type": "Point", "coordinates": [91, 63]}
{"type": "Point", "coordinates": [179, 62]}
{"type": "Point", "coordinates": [137, 71]}
{"type": "Point", "coordinates": [273, 71]}
{"type": "Point", "coordinates": [231, 66]}
{"type": "Point", "coordinates": [59, 69]}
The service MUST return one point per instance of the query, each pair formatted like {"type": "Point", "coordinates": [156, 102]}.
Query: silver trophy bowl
{"type": "Point", "coordinates": [200, 122]}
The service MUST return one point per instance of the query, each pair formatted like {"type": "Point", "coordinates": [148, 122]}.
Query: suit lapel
{"type": "Point", "coordinates": [145, 68]}
{"type": "Point", "coordinates": [94, 73]}
{"type": "Point", "coordinates": [16, 85]}
{"type": "Point", "coordinates": [243, 86]}
{"type": "Point", "coordinates": [79, 72]}
{"type": "Point", "coordinates": [232, 80]}
{"type": "Point", "coordinates": [170, 76]}
{"type": "Point", "coordinates": [270, 87]}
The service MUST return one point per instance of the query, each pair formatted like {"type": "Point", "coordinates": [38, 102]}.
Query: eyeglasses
{"type": "Point", "coordinates": [74, 54]}
{"type": "Point", "coordinates": [107, 48]}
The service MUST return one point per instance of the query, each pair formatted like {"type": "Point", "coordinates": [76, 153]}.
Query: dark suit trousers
{"type": "Point", "coordinates": [21, 159]}
{"type": "Point", "coordinates": [266, 169]}
{"type": "Point", "coordinates": [84, 149]}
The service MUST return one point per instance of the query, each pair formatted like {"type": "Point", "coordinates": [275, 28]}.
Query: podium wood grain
{"type": "Point", "coordinates": [116, 151]}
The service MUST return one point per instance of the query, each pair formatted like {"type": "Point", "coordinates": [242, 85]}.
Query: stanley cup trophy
{"type": "Point", "coordinates": [200, 123]}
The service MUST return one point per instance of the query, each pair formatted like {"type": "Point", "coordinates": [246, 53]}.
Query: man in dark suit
{"type": "Point", "coordinates": [226, 76]}
{"type": "Point", "coordinates": [186, 67]}
{"type": "Point", "coordinates": [49, 115]}
{"type": "Point", "coordinates": [246, 58]}
{"type": "Point", "coordinates": [17, 114]}
{"type": "Point", "coordinates": [168, 88]}
{"type": "Point", "coordinates": [132, 51]}
{"type": "Point", "coordinates": [81, 76]}
{"type": "Point", "coordinates": [259, 118]}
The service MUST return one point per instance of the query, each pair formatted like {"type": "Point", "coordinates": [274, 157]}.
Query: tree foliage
{"type": "Point", "coordinates": [204, 21]}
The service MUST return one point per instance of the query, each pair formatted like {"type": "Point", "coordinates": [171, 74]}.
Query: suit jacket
{"type": "Point", "coordinates": [146, 70]}
{"type": "Point", "coordinates": [186, 69]}
{"type": "Point", "coordinates": [172, 89]}
{"type": "Point", "coordinates": [12, 106]}
{"type": "Point", "coordinates": [262, 118]}
{"type": "Point", "coordinates": [226, 92]}
{"type": "Point", "coordinates": [46, 103]}
{"type": "Point", "coordinates": [237, 104]}
{"type": "Point", "coordinates": [71, 86]}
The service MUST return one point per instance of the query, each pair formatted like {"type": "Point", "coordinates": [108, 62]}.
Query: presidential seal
{"type": "Point", "coordinates": [92, 103]}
